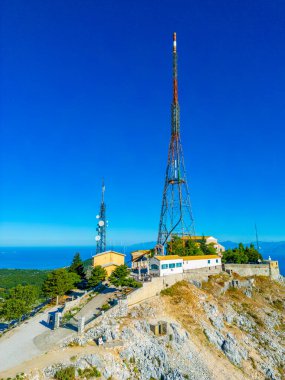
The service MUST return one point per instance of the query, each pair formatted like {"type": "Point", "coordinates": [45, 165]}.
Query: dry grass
{"type": "Point", "coordinates": [183, 303]}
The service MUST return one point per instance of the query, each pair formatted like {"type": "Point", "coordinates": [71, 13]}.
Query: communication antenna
{"type": "Point", "coordinates": [101, 225]}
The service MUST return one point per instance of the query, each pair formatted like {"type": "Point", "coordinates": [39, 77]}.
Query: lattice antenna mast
{"type": "Point", "coordinates": [176, 215]}
{"type": "Point", "coordinates": [101, 225]}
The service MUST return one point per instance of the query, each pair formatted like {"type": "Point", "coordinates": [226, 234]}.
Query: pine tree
{"type": "Point", "coordinates": [77, 266]}
{"type": "Point", "coordinates": [98, 275]}
{"type": "Point", "coordinates": [59, 282]}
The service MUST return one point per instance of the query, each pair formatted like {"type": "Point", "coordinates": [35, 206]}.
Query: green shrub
{"type": "Point", "coordinates": [67, 373]}
{"type": "Point", "coordinates": [88, 373]}
{"type": "Point", "coordinates": [19, 376]}
{"type": "Point", "coordinates": [66, 317]}
{"type": "Point", "coordinates": [132, 360]}
{"type": "Point", "coordinates": [105, 307]}
{"type": "Point", "coordinates": [168, 292]}
{"type": "Point", "coordinates": [132, 283]}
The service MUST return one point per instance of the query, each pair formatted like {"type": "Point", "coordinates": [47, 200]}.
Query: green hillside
{"type": "Point", "coordinates": [10, 278]}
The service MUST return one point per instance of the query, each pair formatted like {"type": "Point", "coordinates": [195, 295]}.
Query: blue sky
{"type": "Point", "coordinates": [86, 93]}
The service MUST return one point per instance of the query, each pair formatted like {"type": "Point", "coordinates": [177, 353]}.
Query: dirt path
{"type": "Point", "coordinates": [34, 338]}
{"type": "Point", "coordinates": [44, 360]}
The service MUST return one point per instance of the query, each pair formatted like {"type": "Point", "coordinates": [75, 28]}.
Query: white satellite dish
{"type": "Point", "coordinates": [97, 238]}
{"type": "Point", "coordinates": [97, 216]}
{"type": "Point", "coordinates": [101, 223]}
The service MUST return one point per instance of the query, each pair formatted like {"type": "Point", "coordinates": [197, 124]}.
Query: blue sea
{"type": "Point", "coordinates": [56, 257]}
{"type": "Point", "coordinates": [45, 257]}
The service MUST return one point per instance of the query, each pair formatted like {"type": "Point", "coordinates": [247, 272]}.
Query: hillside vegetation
{"type": "Point", "coordinates": [10, 278]}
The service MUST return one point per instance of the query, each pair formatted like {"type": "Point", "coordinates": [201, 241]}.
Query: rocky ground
{"type": "Point", "coordinates": [213, 333]}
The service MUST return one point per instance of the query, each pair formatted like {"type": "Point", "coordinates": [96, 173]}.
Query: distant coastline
{"type": "Point", "coordinates": [56, 257]}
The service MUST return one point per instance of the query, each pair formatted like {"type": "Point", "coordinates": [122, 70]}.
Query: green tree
{"type": "Point", "coordinates": [14, 309]}
{"type": "Point", "coordinates": [77, 265]}
{"type": "Point", "coordinates": [203, 245]}
{"type": "Point", "coordinates": [19, 301]}
{"type": "Point", "coordinates": [207, 249]}
{"type": "Point", "coordinates": [241, 255]}
{"type": "Point", "coordinates": [28, 293]}
{"type": "Point", "coordinates": [183, 247]}
{"type": "Point", "coordinates": [240, 248]}
{"type": "Point", "coordinates": [193, 248]}
{"type": "Point", "coordinates": [176, 246]}
{"type": "Point", "coordinates": [253, 255]}
{"type": "Point", "coordinates": [59, 282]}
{"type": "Point", "coordinates": [119, 276]}
{"type": "Point", "coordinates": [98, 275]}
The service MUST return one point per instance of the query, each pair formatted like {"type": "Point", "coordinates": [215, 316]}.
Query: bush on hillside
{"type": "Point", "coordinates": [67, 373]}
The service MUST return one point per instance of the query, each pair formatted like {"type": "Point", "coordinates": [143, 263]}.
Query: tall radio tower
{"type": "Point", "coordinates": [176, 214]}
{"type": "Point", "coordinates": [101, 225]}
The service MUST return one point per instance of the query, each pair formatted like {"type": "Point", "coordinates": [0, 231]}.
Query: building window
{"type": "Point", "coordinates": [178, 265]}
{"type": "Point", "coordinates": [217, 260]}
{"type": "Point", "coordinates": [209, 261]}
{"type": "Point", "coordinates": [154, 266]}
{"type": "Point", "coordinates": [164, 266]}
{"type": "Point", "coordinates": [171, 265]}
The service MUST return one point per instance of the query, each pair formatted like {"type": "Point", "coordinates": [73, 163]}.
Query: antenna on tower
{"type": "Point", "coordinates": [101, 224]}
{"type": "Point", "coordinates": [176, 214]}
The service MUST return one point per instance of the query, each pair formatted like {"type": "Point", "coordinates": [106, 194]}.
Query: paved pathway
{"type": "Point", "coordinates": [34, 337]}
{"type": "Point", "coordinates": [17, 345]}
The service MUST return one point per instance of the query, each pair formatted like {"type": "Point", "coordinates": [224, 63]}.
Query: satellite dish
{"type": "Point", "coordinates": [101, 223]}
{"type": "Point", "coordinates": [97, 216]}
{"type": "Point", "coordinates": [97, 238]}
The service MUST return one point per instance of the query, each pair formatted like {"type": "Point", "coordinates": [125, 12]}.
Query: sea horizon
{"type": "Point", "coordinates": [45, 258]}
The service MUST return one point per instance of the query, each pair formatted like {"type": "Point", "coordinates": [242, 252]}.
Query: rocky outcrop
{"type": "Point", "coordinates": [210, 335]}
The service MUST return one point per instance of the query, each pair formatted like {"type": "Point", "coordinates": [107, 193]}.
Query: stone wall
{"type": "Point", "coordinates": [248, 269]}
{"type": "Point", "coordinates": [76, 302]}
{"type": "Point", "coordinates": [274, 270]}
{"type": "Point", "coordinates": [154, 287]}
{"type": "Point", "coordinates": [270, 269]}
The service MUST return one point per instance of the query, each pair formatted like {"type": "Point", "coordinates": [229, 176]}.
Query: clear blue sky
{"type": "Point", "coordinates": [86, 92]}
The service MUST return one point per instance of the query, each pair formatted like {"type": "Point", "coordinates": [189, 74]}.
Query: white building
{"type": "Point", "coordinates": [205, 261]}
{"type": "Point", "coordinates": [165, 265]}
{"type": "Point", "coordinates": [174, 264]}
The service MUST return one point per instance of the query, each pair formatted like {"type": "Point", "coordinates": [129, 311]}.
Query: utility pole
{"type": "Point", "coordinates": [176, 214]}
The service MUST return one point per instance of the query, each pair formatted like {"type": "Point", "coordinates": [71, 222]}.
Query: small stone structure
{"type": "Point", "coordinates": [57, 319]}
{"type": "Point", "coordinates": [242, 284]}
{"type": "Point", "coordinates": [159, 328]}
{"type": "Point", "coordinates": [81, 325]}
